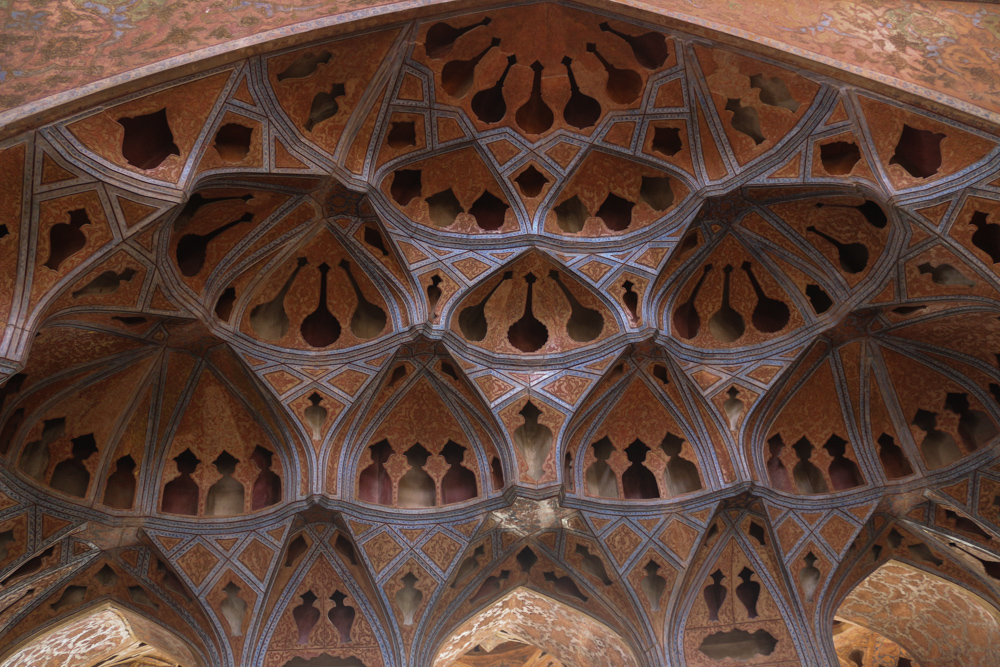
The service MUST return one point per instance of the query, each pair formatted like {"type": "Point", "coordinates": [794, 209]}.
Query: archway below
{"type": "Point", "coordinates": [860, 647]}
{"type": "Point", "coordinates": [933, 621]}
{"type": "Point", "coordinates": [513, 653]}
{"type": "Point", "coordinates": [553, 631]}
{"type": "Point", "coordinates": [104, 635]}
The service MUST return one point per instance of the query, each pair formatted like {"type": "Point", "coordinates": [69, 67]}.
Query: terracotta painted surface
{"type": "Point", "coordinates": [937, 622]}
{"type": "Point", "coordinates": [458, 333]}
{"type": "Point", "coordinates": [944, 51]}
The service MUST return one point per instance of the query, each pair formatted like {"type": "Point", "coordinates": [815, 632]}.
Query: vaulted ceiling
{"type": "Point", "coordinates": [522, 335]}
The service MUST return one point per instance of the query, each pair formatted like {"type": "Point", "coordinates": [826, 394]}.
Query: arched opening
{"type": "Point", "coordinates": [103, 635]}
{"type": "Point", "coordinates": [902, 616]}
{"type": "Point", "coordinates": [529, 623]}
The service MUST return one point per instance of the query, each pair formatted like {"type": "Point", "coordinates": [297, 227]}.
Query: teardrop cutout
{"type": "Point", "coordinates": [457, 76]}
{"type": "Point", "coordinates": [472, 319]}
{"type": "Point", "coordinates": [441, 37]}
{"type": "Point", "coordinates": [270, 320]}
{"type": "Point", "coordinates": [769, 315]}
{"type": "Point", "coordinates": [192, 247]}
{"type": "Point", "coordinates": [584, 324]}
{"type": "Point", "coordinates": [650, 48]}
{"type": "Point", "coordinates": [489, 104]}
{"type": "Point", "coordinates": [687, 321]}
{"type": "Point", "coordinates": [726, 325]}
{"type": "Point", "coordinates": [528, 334]}
{"type": "Point", "coordinates": [368, 320]}
{"type": "Point", "coordinates": [535, 116]}
{"type": "Point", "coordinates": [581, 111]}
{"type": "Point", "coordinates": [320, 328]}
{"type": "Point", "coordinates": [853, 256]}
{"type": "Point", "coordinates": [624, 85]}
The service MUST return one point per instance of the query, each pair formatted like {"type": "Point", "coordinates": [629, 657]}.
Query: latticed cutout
{"type": "Point", "coordinates": [384, 337]}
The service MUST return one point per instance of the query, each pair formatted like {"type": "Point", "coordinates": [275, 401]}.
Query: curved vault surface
{"type": "Point", "coordinates": [316, 357]}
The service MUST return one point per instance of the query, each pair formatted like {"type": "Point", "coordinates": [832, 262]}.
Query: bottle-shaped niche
{"type": "Point", "coordinates": [489, 104]}
{"type": "Point", "coordinates": [441, 37]}
{"type": "Point", "coordinates": [305, 65]}
{"type": "Point", "coordinates": [457, 75]}
{"type": "Point", "coordinates": [341, 616]}
{"type": "Point", "coordinates": [225, 497]}
{"type": "Point", "coordinates": [535, 116]}
{"type": "Point", "coordinates": [533, 439]}
{"type": "Point", "coordinates": [528, 334]}
{"type": "Point", "coordinates": [631, 300]}
{"type": "Point", "coordinates": [987, 235]}
{"type": "Point", "coordinates": [472, 319]}
{"type": "Point", "coordinates": [584, 324]}
{"type": "Point", "coordinates": [192, 247]}
{"type": "Point", "coordinates": [408, 598]}
{"type": "Point", "coordinates": [107, 282]}
{"type": "Point", "coordinates": [769, 315]}
{"type": "Point", "coordinates": [687, 321]}
{"type": "Point", "coordinates": [315, 415]}
{"type": "Point", "coordinates": [624, 85]}
{"type": "Point", "coordinates": [269, 320]}
{"type": "Point", "coordinates": [726, 325]}
{"type": "Point", "coordinates": [715, 594]}
{"type": "Point", "coordinates": [320, 328]}
{"type": "Point", "coordinates": [873, 213]}
{"type": "Point", "coordinates": [649, 48]}
{"type": "Point", "coordinates": [582, 110]}
{"type": "Point", "coordinates": [853, 256]}
{"type": "Point", "coordinates": [368, 319]}
{"type": "Point", "coordinates": [195, 204]}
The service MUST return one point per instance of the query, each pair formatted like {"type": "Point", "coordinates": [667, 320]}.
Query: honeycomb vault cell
{"type": "Point", "coordinates": [526, 334]}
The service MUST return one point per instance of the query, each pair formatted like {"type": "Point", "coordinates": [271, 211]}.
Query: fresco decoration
{"type": "Point", "coordinates": [429, 344]}
{"type": "Point", "coordinates": [918, 47]}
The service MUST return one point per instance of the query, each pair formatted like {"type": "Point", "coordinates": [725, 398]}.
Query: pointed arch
{"type": "Point", "coordinates": [322, 602]}
{"type": "Point", "coordinates": [534, 305]}
{"type": "Point", "coordinates": [101, 633]}
{"type": "Point", "coordinates": [643, 417]}
{"type": "Point", "coordinates": [935, 620]}
{"type": "Point", "coordinates": [423, 429]}
{"type": "Point", "coordinates": [530, 617]}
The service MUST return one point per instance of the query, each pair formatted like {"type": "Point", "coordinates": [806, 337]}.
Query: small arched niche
{"type": "Point", "coordinates": [103, 634]}
{"type": "Point", "coordinates": [524, 617]}
{"type": "Point", "coordinates": [918, 617]}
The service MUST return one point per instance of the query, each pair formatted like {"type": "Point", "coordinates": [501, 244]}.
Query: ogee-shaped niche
{"type": "Point", "coordinates": [319, 87]}
{"type": "Point", "coordinates": [945, 377]}
{"type": "Point", "coordinates": [809, 448]}
{"type": "Point", "coordinates": [220, 458]}
{"type": "Point", "coordinates": [736, 298]}
{"type": "Point", "coordinates": [316, 297]}
{"type": "Point", "coordinates": [322, 622]}
{"type": "Point", "coordinates": [101, 394]}
{"type": "Point", "coordinates": [430, 448]}
{"type": "Point", "coordinates": [211, 223]}
{"type": "Point", "coordinates": [609, 195]}
{"type": "Point", "coordinates": [533, 306]}
{"type": "Point", "coordinates": [920, 397]}
{"type": "Point", "coordinates": [428, 193]}
{"type": "Point", "coordinates": [640, 450]}
{"type": "Point", "coordinates": [541, 68]}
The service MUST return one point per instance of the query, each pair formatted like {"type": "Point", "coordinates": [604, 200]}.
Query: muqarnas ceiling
{"type": "Point", "coordinates": [430, 344]}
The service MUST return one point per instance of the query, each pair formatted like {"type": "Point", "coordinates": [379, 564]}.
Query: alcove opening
{"type": "Point", "coordinates": [232, 142]}
{"type": "Point", "coordinates": [147, 140]}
